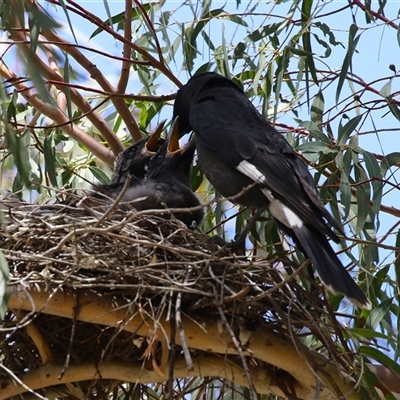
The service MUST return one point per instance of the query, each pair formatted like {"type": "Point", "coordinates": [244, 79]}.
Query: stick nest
{"type": "Point", "coordinates": [151, 262]}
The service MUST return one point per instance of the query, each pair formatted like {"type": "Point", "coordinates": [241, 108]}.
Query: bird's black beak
{"type": "Point", "coordinates": [152, 145]}
{"type": "Point", "coordinates": [173, 143]}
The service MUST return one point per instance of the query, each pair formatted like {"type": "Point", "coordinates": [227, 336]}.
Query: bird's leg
{"type": "Point", "coordinates": [239, 244]}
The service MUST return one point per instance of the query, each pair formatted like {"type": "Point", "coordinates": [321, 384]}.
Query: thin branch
{"type": "Point", "coordinates": [126, 52]}
{"type": "Point", "coordinates": [97, 75]}
{"type": "Point", "coordinates": [155, 99]}
{"type": "Point", "coordinates": [17, 33]}
{"type": "Point", "coordinates": [151, 27]}
{"type": "Point", "coordinates": [56, 115]}
{"type": "Point", "coordinates": [66, 44]}
{"type": "Point", "coordinates": [375, 14]}
{"type": "Point", "coordinates": [84, 13]}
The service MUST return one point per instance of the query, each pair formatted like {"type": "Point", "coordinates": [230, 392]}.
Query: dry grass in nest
{"type": "Point", "coordinates": [153, 279]}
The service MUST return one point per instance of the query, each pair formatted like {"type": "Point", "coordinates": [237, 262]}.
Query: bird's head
{"type": "Point", "coordinates": [135, 158]}
{"type": "Point", "coordinates": [171, 159]}
{"type": "Point", "coordinates": [197, 88]}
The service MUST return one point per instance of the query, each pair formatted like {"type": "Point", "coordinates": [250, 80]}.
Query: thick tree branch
{"type": "Point", "coordinates": [207, 334]}
{"type": "Point", "coordinates": [126, 52]}
{"type": "Point", "coordinates": [209, 365]}
{"type": "Point", "coordinates": [37, 338]}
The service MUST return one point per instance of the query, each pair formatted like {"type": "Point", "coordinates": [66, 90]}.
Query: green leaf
{"type": "Point", "coordinates": [366, 333]}
{"type": "Point", "coordinates": [362, 200]}
{"type": "Point", "coordinates": [389, 161]}
{"type": "Point", "coordinates": [317, 108]}
{"type": "Point", "coordinates": [205, 18]}
{"type": "Point", "coordinates": [316, 147]}
{"type": "Point", "coordinates": [327, 32]}
{"type": "Point", "coordinates": [353, 41]}
{"type": "Point", "coordinates": [397, 259]}
{"type": "Point", "coordinates": [238, 53]}
{"type": "Point", "coordinates": [315, 131]}
{"type": "Point", "coordinates": [66, 177]}
{"type": "Point", "coordinates": [382, 358]}
{"type": "Point", "coordinates": [386, 90]}
{"type": "Point", "coordinates": [108, 12]}
{"type": "Point", "coordinates": [99, 174]}
{"type": "Point", "coordinates": [345, 131]}
{"type": "Point", "coordinates": [379, 313]}
{"type": "Point", "coordinates": [361, 179]}
{"type": "Point", "coordinates": [298, 51]}
{"type": "Point", "coordinates": [64, 7]}
{"type": "Point", "coordinates": [67, 89]}
{"type": "Point", "coordinates": [4, 277]}
{"type": "Point", "coordinates": [328, 50]}
{"type": "Point", "coordinates": [191, 34]}
{"type": "Point", "coordinates": [306, 38]}
{"type": "Point", "coordinates": [379, 279]}
{"type": "Point", "coordinates": [235, 18]}
{"type": "Point", "coordinates": [120, 18]}
{"type": "Point", "coordinates": [39, 83]}
{"type": "Point", "coordinates": [398, 35]}
{"type": "Point", "coordinates": [374, 171]}
{"type": "Point", "coordinates": [261, 33]}
{"type": "Point", "coordinates": [34, 31]}
{"type": "Point", "coordinates": [189, 46]}
{"type": "Point", "coordinates": [225, 70]}
{"type": "Point", "coordinates": [282, 65]}
{"type": "Point", "coordinates": [393, 109]}
{"type": "Point", "coordinates": [19, 148]}
{"type": "Point", "coordinates": [196, 177]}
{"type": "Point", "coordinates": [49, 160]}
{"type": "Point", "coordinates": [208, 41]}
{"type": "Point", "coordinates": [345, 193]}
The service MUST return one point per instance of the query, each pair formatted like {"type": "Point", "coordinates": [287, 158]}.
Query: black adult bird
{"type": "Point", "coordinates": [167, 183]}
{"type": "Point", "coordinates": [238, 149]}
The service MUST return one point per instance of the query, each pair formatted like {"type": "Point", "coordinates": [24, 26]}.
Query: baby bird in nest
{"type": "Point", "coordinates": [134, 160]}
{"type": "Point", "coordinates": [165, 184]}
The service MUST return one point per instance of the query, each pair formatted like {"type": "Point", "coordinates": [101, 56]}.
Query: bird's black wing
{"type": "Point", "coordinates": [226, 121]}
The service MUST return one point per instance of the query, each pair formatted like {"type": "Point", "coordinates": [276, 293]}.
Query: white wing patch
{"type": "Point", "coordinates": [277, 209]}
{"type": "Point", "coordinates": [251, 171]}
{"type": "Point", "coordinates": [281, 212]}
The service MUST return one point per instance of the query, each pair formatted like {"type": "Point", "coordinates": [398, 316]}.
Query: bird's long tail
{"type": "Point", "coordinates": [328, 266]}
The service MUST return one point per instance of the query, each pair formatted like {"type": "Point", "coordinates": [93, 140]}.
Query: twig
{"type": "Point", "coordinates": [126, 52]}
{"type": "Point", "coordinates": [117, 200]}
{"type": "Point", "coordinates": [181, 329]}
{"type": "Point", "coordinates": [84, 13]}
{"type": "Point", "coordinates": [151, 27]}
{"type": "Point", "coordinates": [59, 117]}
{"type": "Point", "coordinates": [17, 33]}
{"type": "Point", "coordinates": [234, 339]}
